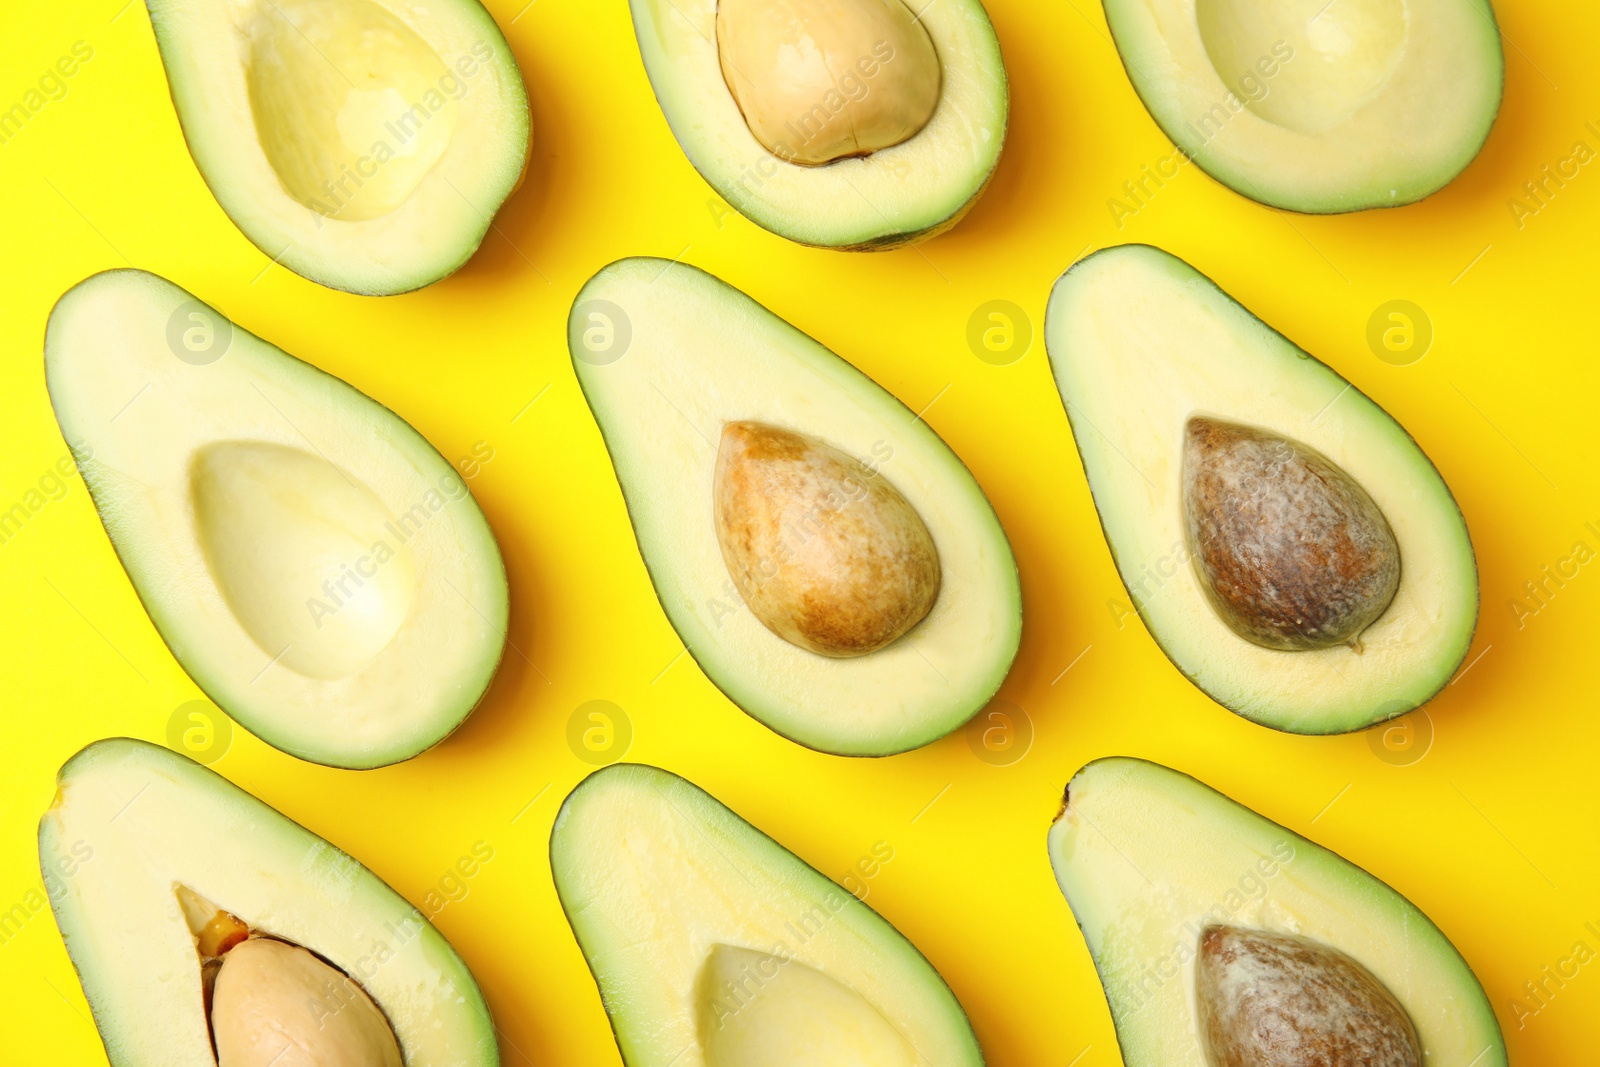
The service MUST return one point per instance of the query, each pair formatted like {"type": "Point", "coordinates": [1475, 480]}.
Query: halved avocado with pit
{"type": "Point", "coordinates": [852, 124]}
{"type": "Point", "coordinates": [824, 556]}
{"type": "Point", "coordinates": [364, 144]}
{"type": "Point", "coordinates": [203, 922]}
{"type": "Point", "coordinates": [1224, 939]}
{"type": "Point", "coordinates": [1318, 106]}
{"type": "Point", "coordinates": [1290, 547]}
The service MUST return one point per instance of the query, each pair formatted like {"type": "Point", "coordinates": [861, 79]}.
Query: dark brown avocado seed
{"type": "Point", "coordinates": [1292, 552]}
{"type": "Point", "coordinates": [1267, 999]}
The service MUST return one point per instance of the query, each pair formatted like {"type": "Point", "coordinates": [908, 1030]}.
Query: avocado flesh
{"type": "Point", "coordinates": [363, 144]}
{"type": "Point", "coordinates": [1139, 343]}
{"type": "Point", "coordinates": [317, 568]}
{"type": "Point", "coordinates": [162, 834]}
{"type": "Point", "coordinates": [714, 946]}
{"type": "Point", "coordinates": [912, 190]}
{"type": "Point", "coordinates": [1150, 858]}
{"type": "Point", "coordinates": [702, 355]}
{"type": "Point", "coordinates": [1317, 107]}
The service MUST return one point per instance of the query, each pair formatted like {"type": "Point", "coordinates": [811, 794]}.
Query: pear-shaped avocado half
{"type": "Point", "coordinates": [1289, 546]}
{"type": "Point", "coordinates": [364, 144]}
{"type": "Point", "coordinates": [852, 124]}
{"type": "Point", "coordinates": [825, 557]}
{"type": "Point", "coordinates": [313, 563]}
{"type": "Point", "coordinates": [715, 946]}
{"type": "Point", "coordinates": [1226, 940]}
{"type": "Point", "coordinates": [207, 927]}
{"type": "Point", "coordinates": [1315, 105]}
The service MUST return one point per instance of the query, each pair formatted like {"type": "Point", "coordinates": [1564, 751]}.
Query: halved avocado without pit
{"type": "Point", "coordinates": [1226, 940]}
{"type": "Point", "coordinates": [714, 946]}
{"type": "Point", "coordinates": [1289, 546]}
{"type": "Point", "coordinates": [825, 557]}
{"type": "Point", "coordinates": [204, 924]}
{"type": "Point", "coordinates": [851, 124]}
{"type": "Point", "coordinates": [1318, 106]}
{"type": "Point", "coordinates": [364, 144]}
{"type": "Point", "coordinates": [313, 563]}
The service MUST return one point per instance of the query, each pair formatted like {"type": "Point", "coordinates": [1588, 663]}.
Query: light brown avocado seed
{"type": "Point", "coordinates": [825, 552]}
{"type": "Point", "coordinates": [823, 80]}
{"type": "Point", "coordinates": [275, 1003]}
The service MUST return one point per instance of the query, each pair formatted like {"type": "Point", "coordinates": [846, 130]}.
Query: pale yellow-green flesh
{"type": "Point", "coordinates": [1147, 857]}
{"type": "Point", "coordinates": [702, 355]}
{"type": "Point", "coordinates": [672, 896]}
{"type": "Point", "coordinates": [1139, 341]}
{"type": "Point", "coordinates": [1318, 106]}
{"type": "Point", "coordinates": [151, 822]}
{"type": "Point", "coordinates": [912, 187]}
{"type": "Point", "coordinates": [755, 1009]}
{"type": "Point", "coordinates": [313, 563]}
{"type": "Point", "coordinates": [363, 143]}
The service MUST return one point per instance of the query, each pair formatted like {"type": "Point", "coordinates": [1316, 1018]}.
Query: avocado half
{"type": "Point", "coordinates": [912, 190]}
{"type": "Point", "coordinates": [667, 356]}
{"type": "Point", "coordinates": [1139, 341]}
{"type": "Point", "coordinates": [364, 144]}
{"type": "Point", "coordinates": [715, 946]}
{"type": "Point", "coordinates": [313, 563]}
{"type": "Point", "coordinates": [138, 837]}
{"type": "Point", "coordinates": [1314, 106]}
{"type": "Point", "coordinates": [1148, 858]}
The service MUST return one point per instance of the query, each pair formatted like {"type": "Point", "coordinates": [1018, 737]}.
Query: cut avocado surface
{"type": "Point", "coordinates": [364, 144]}
{"type": "Point", "coordinates": [159, 868]}
{"type": "Point", "coordinates": [714, 946]}
{"type": "Point", "coordinates": [313, 563]}
{"type": "Point", "coordinates": [1153, 861]}
{"type": "Point", "coordinates": [1315, 106]}
{"type": "Point", "coordinates": [744, 446]}
{"type": "Point", "coordinates": [1149, 355]}
{"type": "Point", "coordinates": [781, 104]}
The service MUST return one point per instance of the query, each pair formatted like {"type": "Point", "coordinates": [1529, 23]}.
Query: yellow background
{"type": "Point", "coordinates": [1492, 832]}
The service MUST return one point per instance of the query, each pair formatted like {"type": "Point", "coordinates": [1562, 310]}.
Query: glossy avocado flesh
{"type": "Point", "coordinates": [713, 409]}
{"type": "Point", "coordinates": [1344, 596]}
{"type": "Point", "coordinates": [714, 946]}
{"type": "Point", "coordinates": [364, 144]}
{"type": "Point", "coordinates": [1199, 911]}
{"type": "Point", "coordinates": [157, 868]}
{"type": "Point", "coordinates": [312, 562]}
{"type": "Point", "coordinates": [1314, 106]}
{"type": "Point", "coordinates": [841, 63]}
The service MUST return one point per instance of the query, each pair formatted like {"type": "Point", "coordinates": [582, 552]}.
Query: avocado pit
{"type": "Point", "coordinates": [270, 1002]}
{"type": "Point", "coordinates": [825, 552]}
{"type": "Point", "coordinates": [1267, 999]}
{"type": "Point", "coordinates": [1292, 552]}
{"type": "Point", "coordinates": [822, 80]}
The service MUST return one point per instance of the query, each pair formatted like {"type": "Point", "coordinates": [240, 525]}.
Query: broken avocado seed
{"type": "Point", "coordinates": [823, 80]}
{"type": "Point", "coordinates": [272, 1002]}
{"type": "Point", "coordinates": [1291, 552]}
{"type": "Point", "coordinates": [1268, 999]}
{"type": "Point", "coordinates": [825, 552]}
